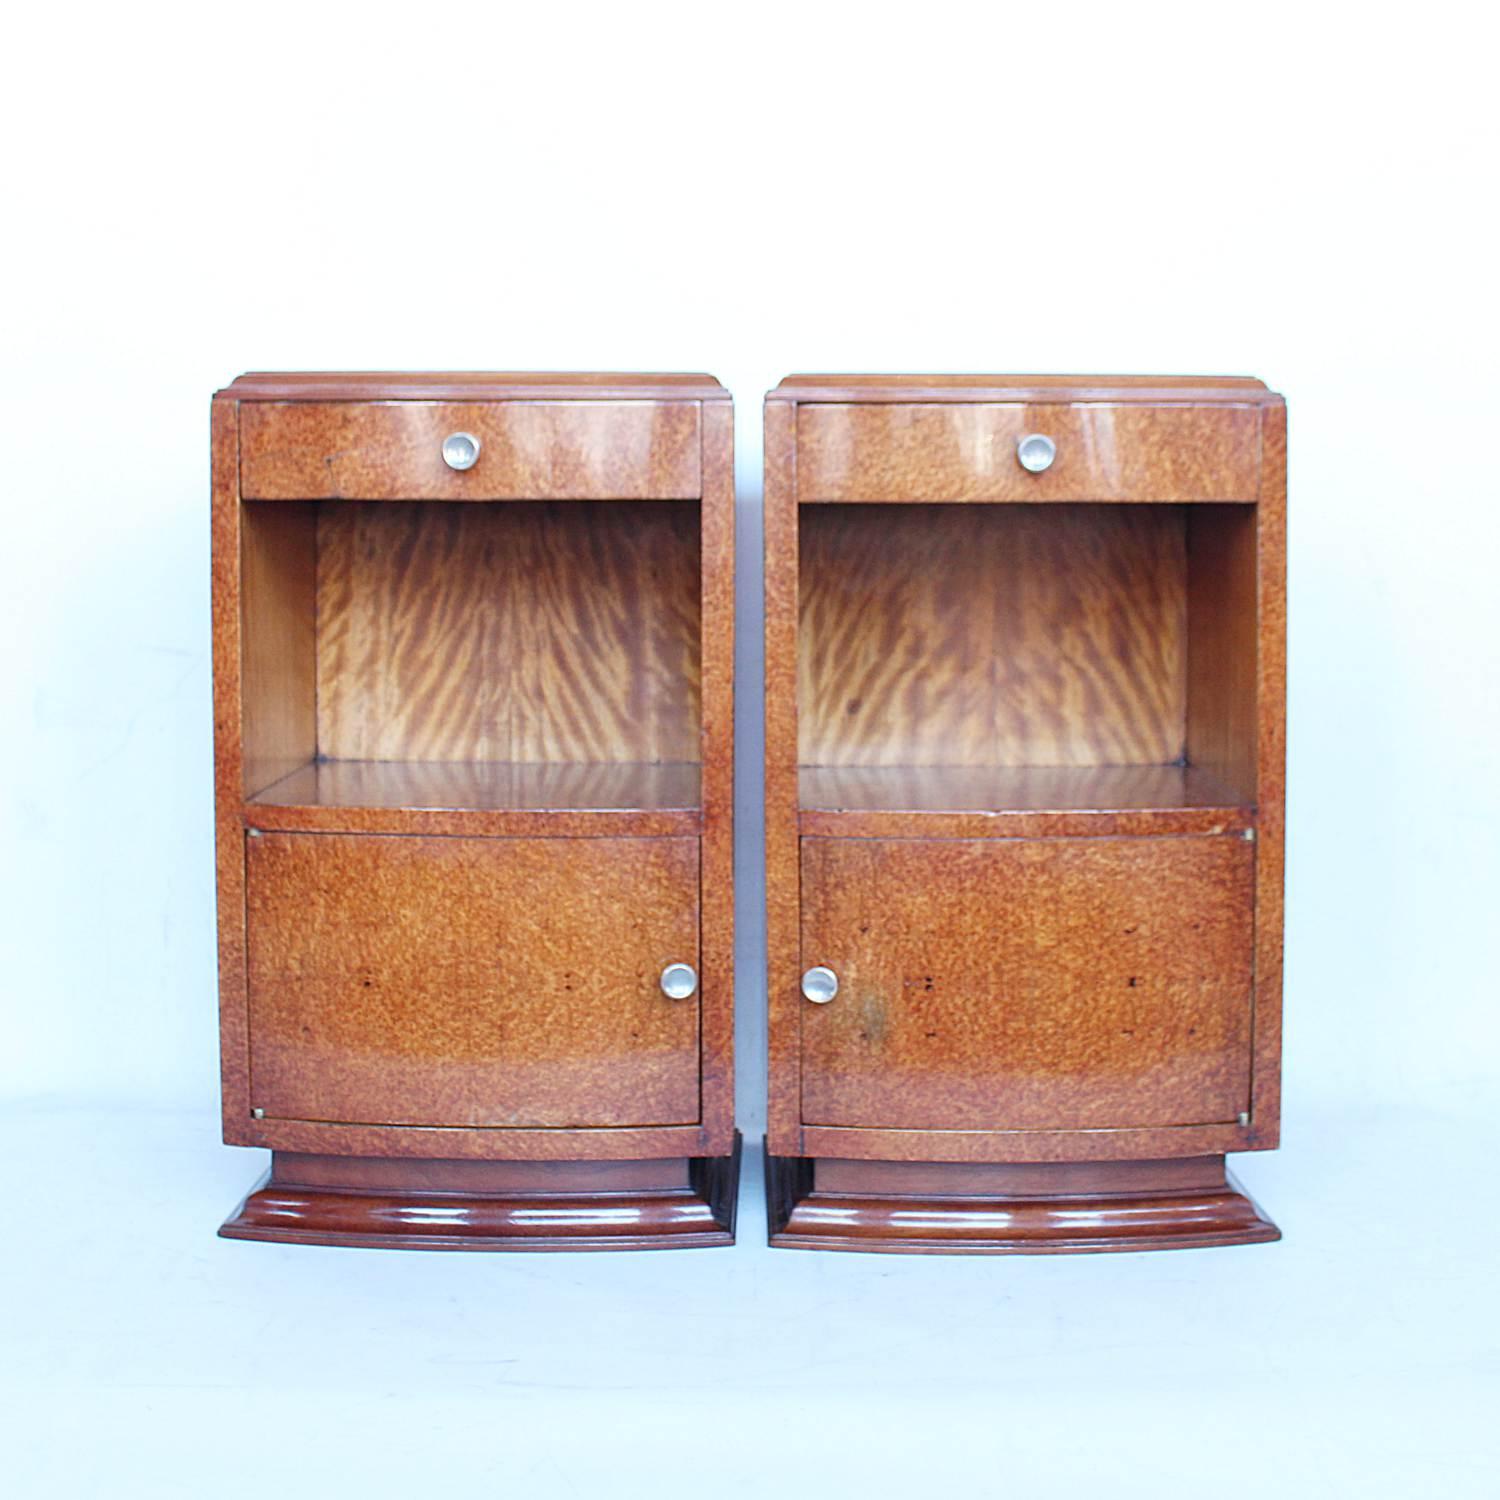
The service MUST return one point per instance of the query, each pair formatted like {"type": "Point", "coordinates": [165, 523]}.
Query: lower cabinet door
{"type": "Point", "coordinates": [1033, 984]}
{"type": "Point", "coordinates": [471, 981]}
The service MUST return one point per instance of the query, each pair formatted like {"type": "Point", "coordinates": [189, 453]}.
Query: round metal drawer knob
{"type": "Point", "coordinates": [460, 450]}
{"type": "Point", "coordinates": [820, 985]}
{"type": "Point", "coordinates": [678, 981]}
{"type": "Point", "coordinates": [1035, 452]}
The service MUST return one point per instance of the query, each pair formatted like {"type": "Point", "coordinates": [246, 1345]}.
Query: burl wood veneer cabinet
{"type": "Point", "coordinates": [472, 661]}
{"type": "Point", "coordinates": [1024, 741]}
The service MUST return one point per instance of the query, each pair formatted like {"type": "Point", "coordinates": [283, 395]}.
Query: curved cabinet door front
{"type": "Point", "coordinates": [1028, 984]}
{"type": "Point", "coordinates": [472, 981]}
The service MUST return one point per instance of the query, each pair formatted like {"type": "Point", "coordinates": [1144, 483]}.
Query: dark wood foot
{"type": "Point", "coordinates": [391, 1204]}
{"type": "Point", "coordinates": [1020, 1209]}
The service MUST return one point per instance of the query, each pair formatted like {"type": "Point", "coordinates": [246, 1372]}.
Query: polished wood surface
{"type": "Point", "coordinates": [278, 583]}
{"type": "Point", "coordinates": [967, 452]}
{"type": "Point", "coordinates": [1003, 789]}
{"type": "Point", "coordinates": [1150, 390]}
{"type": "Point", "coordinates": [496, 798]}
{"type": "Point", "coordinates": [471, 385]}
{"type": "Point", "coordinates": [471, 982]}
{"type": "Point", "coordinates": [1016, 801]}
{"type": "Point", "coordinates": [516, 632]}
{"type": "Point", "coordinates": [1270, 780]}
{"type": "Point", "coordinates": [443, 727]}
{"type": "Point", "coordinates": [550, 1143]}
{"type": "Point", "coordinates": [1010, 635]}
{"type": "Point", "coordinates": [1223, 633]}
{"type": "Point", "coordinates": [1048, 984]}
{"type": "Point", "coordinates": [578, 449]}
{"type": "Point", "coordinates": [783, 857]}
{"type": "Point", "coordinates": [229, 705]}
{"type": "Point", "coordinates": [716, 972]}
{"type": "Point", "coordinates": [892, 1207]}
{"type": "Point", "coordinates": [459, 1205]}
{"type": "Point", "coordinates": [1051, 1146]}
{"type": "Point", "coordinates": [1128, 707]}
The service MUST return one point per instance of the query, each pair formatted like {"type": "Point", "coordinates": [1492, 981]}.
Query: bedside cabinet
{"type": "Point", "coordinates": [1024, 782]}
{"type": "Point", "coordinates": [473, 644]}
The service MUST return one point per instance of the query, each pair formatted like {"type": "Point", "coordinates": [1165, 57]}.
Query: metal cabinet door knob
{"type": "Point", "coordinates": [460, 450]}
{"type": "Point", "coordinates": [678, 981]}
{"type": "Point", "coordinates": [820, 985]}
{"type": "Point", "coordinates": [1035, 452]}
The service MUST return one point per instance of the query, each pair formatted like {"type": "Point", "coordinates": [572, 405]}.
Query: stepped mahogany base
{"type": "Point", "coordinates": [1012, 1209]}
{"type": "Point", "coordinates": [390, 1204]}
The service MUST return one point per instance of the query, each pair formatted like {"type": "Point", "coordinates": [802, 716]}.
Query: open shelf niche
{"type": "Point", "coordinates": [480, 656]}
{"type": "Point", "coordinates": [994, 659]}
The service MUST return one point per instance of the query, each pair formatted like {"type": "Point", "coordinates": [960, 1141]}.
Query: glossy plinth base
{"type": "Point", "coordinates": [1021, 1209]}
{"type": "Point", "coordinates": [457, 1205]}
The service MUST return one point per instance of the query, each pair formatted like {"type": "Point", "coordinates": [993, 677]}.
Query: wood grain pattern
{"type": "Point", "coordinates": [878, 1143]}
{"type": "Point", "coordinates": [991, 635]}
{"type": "Point", "coordinates": [1150, 390]}
{"type": "Point", "coordinates": [1076, 984]}
{"type": "Point", "coordinates": [613, 608]}
{"type": "Point", "coordinates": [496, 798]}
{"type": "Point", "coordinates": [1024, 1210]}
{"type": "Point", "coordinates": [716, 987]}
{"type": "Point", "coordinates": [540, 1179]}
{"type": "Point", "coordinates": [229, 768]}
{"type": "Point", "coordinates": [1209, 455]}
{"type": "Point", "coordinates": [464, 1205]}
{"type": "Point", "coordinates": [520, 632]}
{"type": "Point", "coordinates": [783, 860]}
{"type": "Point", "coordinates": [471, 982]}
{"type": "Point", "coordinates": [1270, 776]}
{"type": "Point", "coordinates": [1002, 789]}
{"type": "Point", "coordinates": [529, 450]}
{"type": "Point", "coordinates": [1016, 802]}
{"type": "Point", "coordinates": [967, 452]}
{"type": "Point", "coordinates": [479, 1143]}
{"type": "Point", "coordinates": [1222, 635]}
{"type": "Point", "coordinates": [472, 385]}
{"type": "Point", "coordinates": [278, 688]}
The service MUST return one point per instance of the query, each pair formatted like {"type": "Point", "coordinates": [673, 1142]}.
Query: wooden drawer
{"type": "Point", "coordinates": [967, 451]}
{"type": "Point", "coordinates": [1028, 984]}
{"type": "Point", "coordinates": [471, 981]}
{"type": "Point", "coordinates": [538, 450]}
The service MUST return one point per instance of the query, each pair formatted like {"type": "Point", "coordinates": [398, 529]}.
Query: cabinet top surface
{"type": "Point", "coordinates": [543, 385]}
{"type": "Point", "coordinates": [1154, 389]}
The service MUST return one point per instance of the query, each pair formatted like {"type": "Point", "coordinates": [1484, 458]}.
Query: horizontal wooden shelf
{"type": "Point", "coordinates": [1016, 801]}
{"type": "Point", "coordinates": [483, 797]}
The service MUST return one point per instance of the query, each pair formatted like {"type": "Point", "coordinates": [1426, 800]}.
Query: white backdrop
{"type": "Point", "coordinates": [1267, 189]}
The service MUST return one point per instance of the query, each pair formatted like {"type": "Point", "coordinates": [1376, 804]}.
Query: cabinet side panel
{"type": "Point", "coordinates": [1221, 644]}
{"type": "Point", "coordinates": [229, 840]}
{"type": "Point", "coordinates": [783, 877]}
{"type": "Point", "coordinates": [278, 585]}
{"type": "Point", "coordinates": [717, 901]}
{"type": "Point", "coordinates": [1265, 1110]}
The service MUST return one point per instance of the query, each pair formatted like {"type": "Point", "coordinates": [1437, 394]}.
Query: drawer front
{"type": "Point", "coordinates": [541, 450]}
{"type": "Point", "coordinates": [941, 452]}
{"type": "Point", "coordinates": [1030, 984]}
{"type": "Point", "coordinates": [470, 981]}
